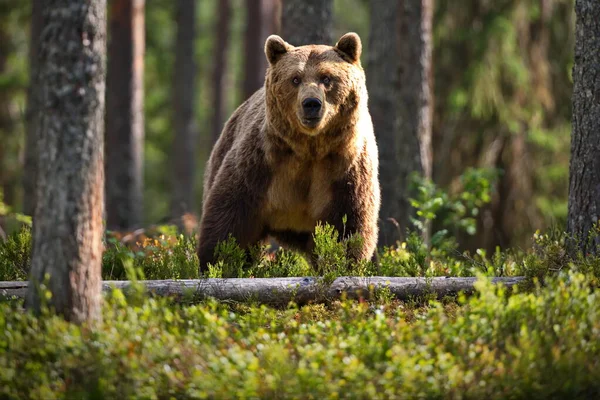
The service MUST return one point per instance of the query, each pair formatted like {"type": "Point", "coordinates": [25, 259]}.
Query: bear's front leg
{"type": "Point", "coordinates": [356, 197]}
{"type": "Point", "coordinates": [232, 207]}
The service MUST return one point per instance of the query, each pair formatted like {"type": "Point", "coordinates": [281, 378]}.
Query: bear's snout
{"type": "Point", "coordinates": [311, 111]}
{"type": "Point", "coordinates": [312, 107]}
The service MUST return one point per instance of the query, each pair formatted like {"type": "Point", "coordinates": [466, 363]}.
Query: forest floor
{"type": "Point", "coordinates": [537, 340]}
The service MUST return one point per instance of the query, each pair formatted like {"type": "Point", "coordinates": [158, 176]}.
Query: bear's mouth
{"type": "Point", "coordinates": [310, 122]}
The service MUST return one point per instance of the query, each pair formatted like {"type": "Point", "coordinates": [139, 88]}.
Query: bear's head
{"type": "Point", "coordinates": [315, 87]}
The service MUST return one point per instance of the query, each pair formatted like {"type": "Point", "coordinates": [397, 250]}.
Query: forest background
{"type": "Point", "coordinates": [501, 90]}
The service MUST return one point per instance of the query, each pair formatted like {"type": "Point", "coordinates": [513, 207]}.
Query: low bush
{"type": "Point", "coordinates": [540, 344]}
{"type": "Point", "coordinates": [15, 254]}
{"type": "Point", "coordinates": [168, 255]}
{"type": "Point", "coordinates": [164, 256]}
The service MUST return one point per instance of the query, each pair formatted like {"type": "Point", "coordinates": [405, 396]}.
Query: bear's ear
{"type": "Point", "coordinates": [351, 46]}
{"type": "Point", "coordinates": [275, 47]}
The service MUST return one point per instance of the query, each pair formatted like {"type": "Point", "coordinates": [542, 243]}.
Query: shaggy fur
{"type": "Point", "coordinates": [273, 172]}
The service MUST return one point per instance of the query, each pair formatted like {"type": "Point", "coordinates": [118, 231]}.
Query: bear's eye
{"type": "Point", "coordinates": [296, 80]}
{"type": "Point", "coordinates": [326, 80]}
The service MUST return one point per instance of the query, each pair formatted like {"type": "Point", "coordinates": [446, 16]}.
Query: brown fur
{"type": "Point", "coordinates": [274, 173]}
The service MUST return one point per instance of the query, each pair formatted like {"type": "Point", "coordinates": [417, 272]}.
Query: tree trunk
{"type": "Point", "coordinates": [30, 167]}
{"type": "Point", "coordinates": [584, 179]}
{"type": "Point", "coordinates": [124, 115]}
{"type": "Point", "coordinates": [253, 54]}
{"type": "Point", "coordinates": [220, 63]}
{"type": "Point", "coordinates": [415, 105]}
{"type": "Point", "coordinates": [271, 10]}
{"type": "Point", "coordinates": [307, 22]}
{"type": "Point", "coordinates": [184, 101]}
{"type": "Point", "coordinates": [261, 21]}
{"type": "Point", "coordinates": [9, 141]}
{"type": "Point", "coordinates": [67, 234]}
{"type": "Point", "coordinates": [382, 66]}
{"type": "Point", "coordinates": [5, 121]}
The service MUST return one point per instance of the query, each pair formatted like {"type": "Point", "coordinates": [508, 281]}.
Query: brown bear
{"type": "Point", "coordinates": [299, 151]}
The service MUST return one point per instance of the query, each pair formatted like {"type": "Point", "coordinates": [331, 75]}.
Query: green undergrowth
{"type": "Point", "coordinates": [540, 344]}
{"type": "Point", "coordinates": [169, 255]}
{"type": "Point", "coordinates": [165, 256]}
{"type": "Point", "coordinates": [15, 254]}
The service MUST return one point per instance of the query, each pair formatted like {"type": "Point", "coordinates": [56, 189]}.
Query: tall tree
{"type": "Point", "coordinates": [584, 179]}
{"type": "Point", "coordinates": [6, 121]}
{"type": "Point", "coordinates": [30, 167]}
{"type": "Point", "coordinates": [184, 100]}
{"type": "Point", "coordinates": [253, 64]}
{"type": "Point", "coordinates": [124, 115]}
{"type": "Point", "coordinates": [67, 234]}
{"type": "Point", "coordinates": [415, 105]}
{"type": "Point", "coordinates": [261, 21]}
{"type": "Point", "coordinates": [219, 66]}
{"type": "Point", "coordinates": [271, 19]}
{"type": "Point", "coordinates": [307, 21]}
{"type": "Point", "coordinates": [382, 68]}
{"type": "Point", "coordinates": [12, 83]}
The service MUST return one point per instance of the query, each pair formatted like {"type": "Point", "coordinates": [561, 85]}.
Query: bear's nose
{"type": "Point", "coordinates": [311, 105]}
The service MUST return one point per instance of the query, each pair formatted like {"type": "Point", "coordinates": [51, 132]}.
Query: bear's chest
{"type": "Point", "coordinates": [298, 196]}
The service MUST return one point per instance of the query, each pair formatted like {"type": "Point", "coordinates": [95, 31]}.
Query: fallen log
{"type": "Point", "coordinates": [406, 288]}
{"type": "Point", "coordinates": [283, 290]}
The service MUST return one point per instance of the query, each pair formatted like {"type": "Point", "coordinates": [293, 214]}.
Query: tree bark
{"type": "Point", "coordinates": [124, 115]}
{"type": "Point", "coordinates": [307, 22]}
{"type": "Point", "coordinates": [382, 67]}
{"type": "Point", "coordinates": [416, 99]}
{"type": "Point", "coordinates": [30, 167]}
{"type": "Point", "coordinates": [9, 181]}
{"type": "Point", "coordinates": [253, 54]}
{"type": "Point", "coordinates": [271, 10]}
{"type": "Point", "coordinates": [280, 291]}
{"type": "Point", "coordinates": [184, 102]}
{"type": "Point", "coordinates": [584, 174]}
{"type": "Point", "coordinates": [261, 21]}
{"type": "Point", "coordinates": [220, 63]}
{"type": "Point", "coordinates": [67, 234]}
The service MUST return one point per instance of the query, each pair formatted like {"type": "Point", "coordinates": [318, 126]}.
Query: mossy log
{"type": "Point", "coordinates": [283, 290]}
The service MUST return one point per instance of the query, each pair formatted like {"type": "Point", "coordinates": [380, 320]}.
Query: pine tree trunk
{"type": "Point", "coordinates": [271, 18]}
{"type": "Point", "coordinates": [124, 115]}
{"type": "Point", "coordinates": [184, 100]}
{"type": "Point", "coordinates": [6, 125]}
{"type": "Point", "coordinates": [382, 67]}
{"type": "Point", "coordinates": [220, 63]}
{"type": "Point", "coordinates": [30, 167]}
{"type": "Point", "coordinates": [307, 22]}
{"type": "Point", "coordinates": [584, 180]}
{"type": "Point", "coordinates": [261, 21]}
{"type": "Point", "coordinates": [415, 105]}
{"type": "Point", "coordinates": [67, 234]}
{"type": "Point", "coordinates": [253, 54]}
